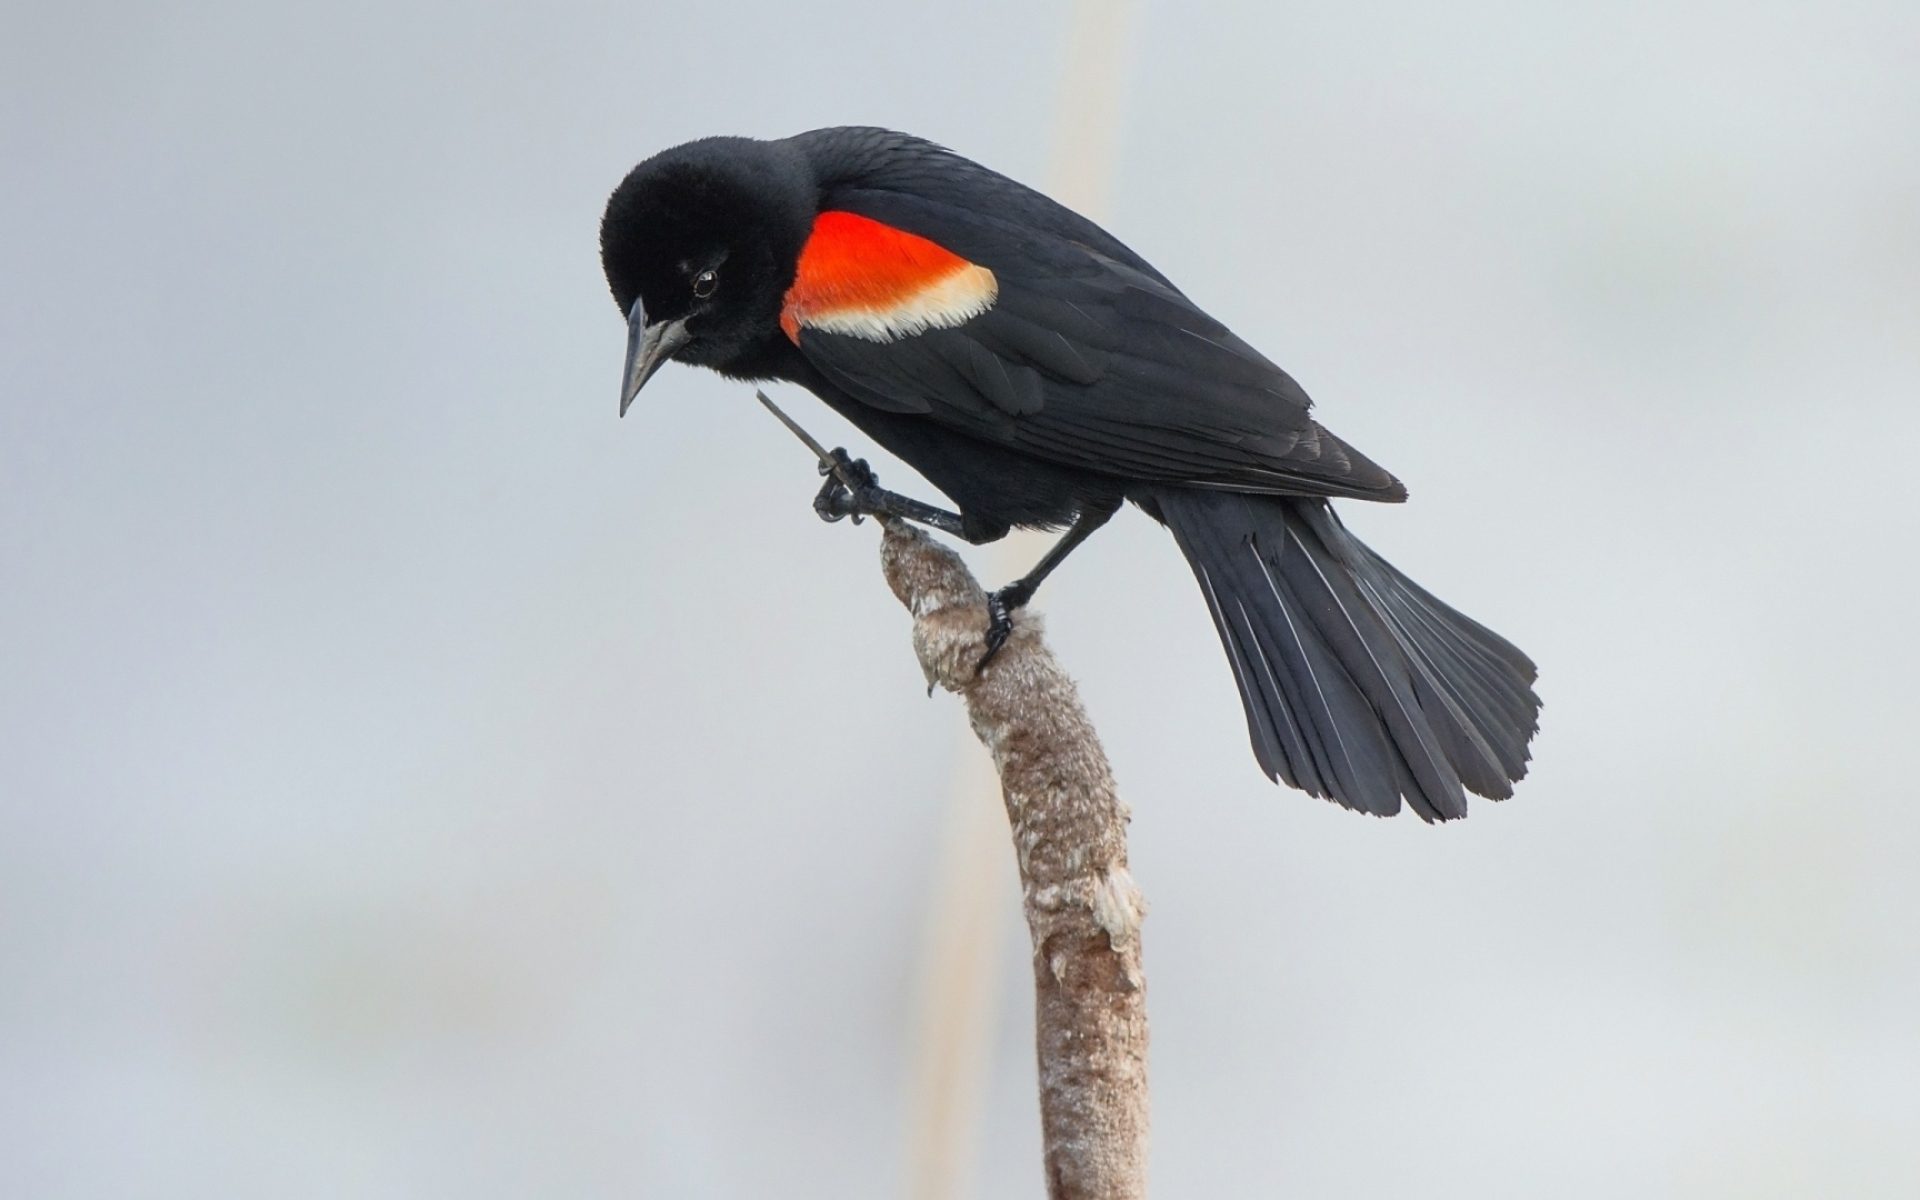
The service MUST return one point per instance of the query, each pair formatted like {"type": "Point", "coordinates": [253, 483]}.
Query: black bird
{"type": "Point", "coordinates": [1039, 373]}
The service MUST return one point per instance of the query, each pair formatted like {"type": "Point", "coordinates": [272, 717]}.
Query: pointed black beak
{"type": "Point", "coordinates": [648, 346]}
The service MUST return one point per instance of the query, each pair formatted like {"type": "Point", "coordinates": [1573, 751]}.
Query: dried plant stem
{"type": "Point", "coordinates": [1069, 833]}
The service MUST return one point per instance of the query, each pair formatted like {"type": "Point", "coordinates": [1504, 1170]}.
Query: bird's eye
{"type": "Point", "coordinates": [704, 283]}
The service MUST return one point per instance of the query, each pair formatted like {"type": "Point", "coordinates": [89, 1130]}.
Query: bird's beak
{"type": "Point", "coordinates": [648, 346]}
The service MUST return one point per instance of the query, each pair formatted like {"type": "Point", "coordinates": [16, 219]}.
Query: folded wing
{"type": "Point", "coordinates": [1039, 342]}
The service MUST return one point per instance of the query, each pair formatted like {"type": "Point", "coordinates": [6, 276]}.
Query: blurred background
{"type": "Point", "coordinates": [415, 782]}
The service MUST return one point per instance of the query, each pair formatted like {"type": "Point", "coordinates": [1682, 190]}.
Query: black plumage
{"type": "Point", "coordinates": [1070, 379]}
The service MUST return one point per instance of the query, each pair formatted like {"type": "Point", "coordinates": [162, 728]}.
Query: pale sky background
{"type": "Point", "coordinates": [416, 783]}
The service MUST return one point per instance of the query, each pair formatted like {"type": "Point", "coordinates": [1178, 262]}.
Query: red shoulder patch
{"type": "Point", "coordinates": [866, 279]}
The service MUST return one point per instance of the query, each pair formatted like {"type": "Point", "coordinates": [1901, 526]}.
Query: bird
{"type": "Point", "coordinates": [1040, 375]}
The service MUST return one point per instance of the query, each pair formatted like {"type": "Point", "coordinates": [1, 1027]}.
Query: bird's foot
{"type": "Point", "coordinates": [836, 500]}
{"type": "Point", "coordinates": [853, 490]}
{"type": "Point", "coordinates": [1001, 606]}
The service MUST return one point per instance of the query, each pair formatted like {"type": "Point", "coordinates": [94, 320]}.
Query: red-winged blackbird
{"type": "Point", "coordinates": [1039, 373]}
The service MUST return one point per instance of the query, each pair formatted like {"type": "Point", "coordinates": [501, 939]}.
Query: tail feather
{"type": "Point", "coordinates": [1480, 675]}
{"type": "Point", "coordinates": [1358, 684]}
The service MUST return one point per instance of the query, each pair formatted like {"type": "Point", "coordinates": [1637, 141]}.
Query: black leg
{"type": "Point", "coordinates": [1001, 604]}
{"type": "Point", "coordinates": [867, 498]}
{"type": "Point", "coordinates": [853, 490]}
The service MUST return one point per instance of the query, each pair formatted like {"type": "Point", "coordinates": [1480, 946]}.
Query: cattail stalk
{"type": "Point", "coordinates": [1069, 834]}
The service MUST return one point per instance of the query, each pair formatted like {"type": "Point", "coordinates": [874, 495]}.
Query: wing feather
{"type": "Point", "coordinates": [1085, 357]}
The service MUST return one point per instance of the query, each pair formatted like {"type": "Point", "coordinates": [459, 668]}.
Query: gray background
{"type": "Point", "coordinates": [416, 783]}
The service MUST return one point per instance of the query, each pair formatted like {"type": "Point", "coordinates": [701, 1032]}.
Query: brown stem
{"type": "Point", "coordinates": [1069, 832]}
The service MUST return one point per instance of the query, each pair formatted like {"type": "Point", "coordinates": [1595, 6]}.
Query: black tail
{"type": "Point", "coordinates": [1358, 684]}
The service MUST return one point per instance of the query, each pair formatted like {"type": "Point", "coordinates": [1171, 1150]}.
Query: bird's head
{"type": "Point", "coordinates": [700, 244]}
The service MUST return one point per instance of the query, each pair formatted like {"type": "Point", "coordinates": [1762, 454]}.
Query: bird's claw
{"type": "Point", "coordinates": [1000, 608]}
{"type": "Point", "coordinates": [836, 503]}
{"type": "Point", "coordinates": [836, 500]}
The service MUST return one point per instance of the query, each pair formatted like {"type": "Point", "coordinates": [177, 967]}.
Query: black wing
{"type": "Point", "coordinates": [1088, 357]}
